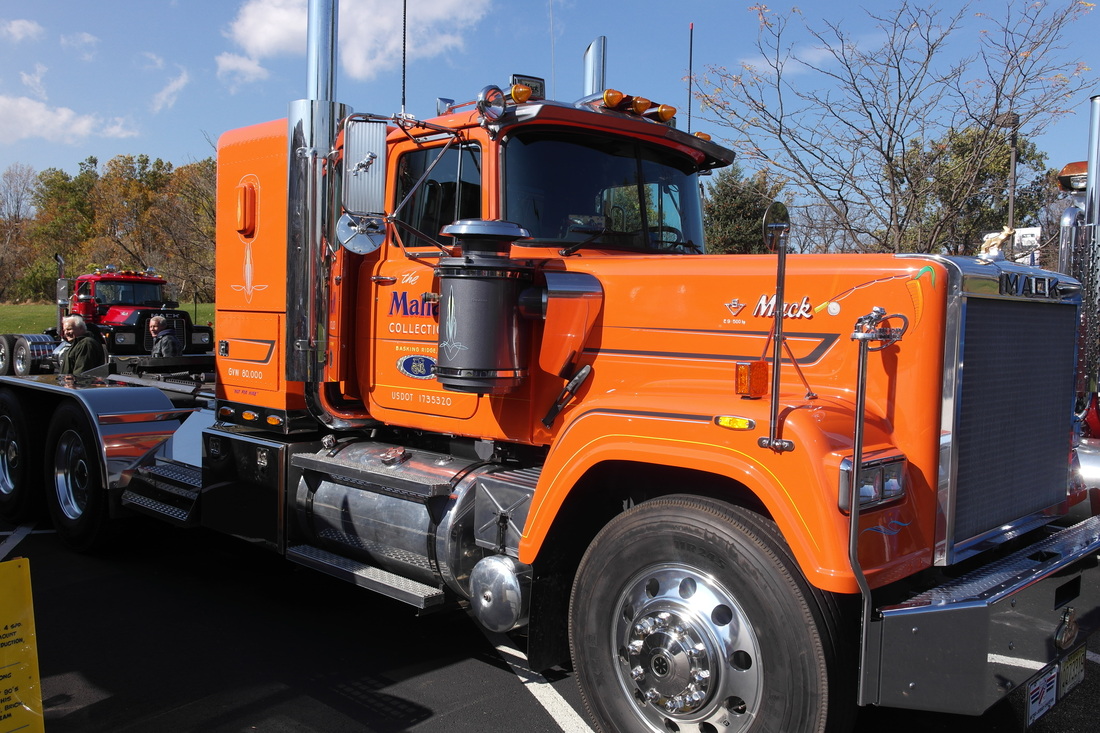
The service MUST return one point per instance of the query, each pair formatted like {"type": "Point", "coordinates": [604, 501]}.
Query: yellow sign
{"type": "Point", "coordinates": [20, 689]}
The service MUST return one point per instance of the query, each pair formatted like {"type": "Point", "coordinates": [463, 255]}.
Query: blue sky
{"type": "Point", "coordinates": [101, 78]}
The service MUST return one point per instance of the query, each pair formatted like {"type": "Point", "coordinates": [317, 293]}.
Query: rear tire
{"type": "Point", "coordinates": [20, 498]}
{"type": "Point", "coordinates": [7, 343]}
{"type": "Point", "coordinates": [23, 358]}
{"type": "Point", "coordinates": [75, 494]}
{"type": "Point", "coordinates": [688, 614]}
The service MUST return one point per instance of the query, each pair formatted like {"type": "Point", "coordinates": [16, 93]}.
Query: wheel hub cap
{"type": "Point", "coordinates": [686, 651]}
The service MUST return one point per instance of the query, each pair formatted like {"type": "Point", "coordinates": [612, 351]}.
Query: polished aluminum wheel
{"type": "Point", "coordinates": [72, 477]}
{"type": "Point", "coordinates": [687, 654]}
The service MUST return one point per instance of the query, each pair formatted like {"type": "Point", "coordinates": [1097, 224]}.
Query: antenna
{"type": "Point", "coordinates": [404, 47]}
{"type": "Point", "coordinates": [553, 76]}
{"type": "Point", "coordinates": [691, 73]}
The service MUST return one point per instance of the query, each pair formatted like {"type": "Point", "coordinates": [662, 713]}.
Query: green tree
{"type": "Point", "coordinates": [733, 209]}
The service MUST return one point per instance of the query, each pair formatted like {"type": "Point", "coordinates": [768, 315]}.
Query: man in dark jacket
{"type": "Point", "coordinates": [84, 352]}
{"type": "Point", "coordinates": [165, 343]}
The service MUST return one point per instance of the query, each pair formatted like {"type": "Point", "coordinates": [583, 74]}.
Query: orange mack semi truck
{"type": "Point", "coordinates": [484, 359]}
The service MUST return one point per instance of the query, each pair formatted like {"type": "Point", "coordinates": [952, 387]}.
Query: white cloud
{"type": "Point", "coordinates": [166, 97]}
{"type": "Point", "coordinates": [19, 30]}
{"type": "Point", "coordinates": [155, 62]}
{"type": "Point", "coordinates": [236, 70]}
{"type": "Point", "coordinates": [266, 28]}
{"type": "Point", "coordinates": [25, 118]}
{"type": "Point", "coordinates": [117, 128]}
{"type": "Point", "coordinates": [435, 28]}
{"type": "Point", "coordinates": [34, 81]}
{"type": "Point", "coordinates": [370, 31]}
{"type": "Point", "coordinates": [85, 44]}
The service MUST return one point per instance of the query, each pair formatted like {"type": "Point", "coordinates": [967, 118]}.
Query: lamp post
{"type": "Point", "coordinates": [1010, 121]}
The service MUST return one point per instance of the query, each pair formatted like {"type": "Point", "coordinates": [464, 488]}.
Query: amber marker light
{"type": "Point", "coordinates": [225, 412]}
{"type": "Point", "coordinates": [612, 98]}
{"type": "Point", "coordinates": [751, 378]}
{"type": "Point", "coordinates": [703, 136]}
{"type": "Point", "coordinates": [1074, 176]}
{"type": "Point", "coordinates": [250, 416]}
{"type": "Point", "coordinates": [662, 112]}
{"type": "Point", "coordinates": [732, 422]}
{"type": "Point", "coordinates": [520, 93]}
{"type": "Point", "coordinates": [274, 420]}
{"type": "Point", "coordinates": [640, 105]}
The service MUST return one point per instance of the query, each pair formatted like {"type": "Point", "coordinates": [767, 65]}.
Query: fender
{"type": "Point", "coordinates": [814, 527]}
{"type": "Point", "coordinates": [126, 436]}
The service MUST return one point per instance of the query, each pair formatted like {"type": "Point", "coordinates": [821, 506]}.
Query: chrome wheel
{"type": "Point", "coordinates": [72, 475]}
{"type": "Point", "coordinates": [687, 653]}
{"type": "Point", "coordinates": [10, 463]}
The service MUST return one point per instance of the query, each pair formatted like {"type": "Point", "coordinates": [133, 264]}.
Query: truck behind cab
{"type": "Point", "coordinates": [116, 305]}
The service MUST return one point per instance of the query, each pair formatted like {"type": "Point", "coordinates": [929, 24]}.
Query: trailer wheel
{"type": "Point", "coordinates": [7, 343]}
{"type": "Point", "coordinates": [690, 615]}
{"type": "Point", "coordinates": [20, 500]}
{"type": "Point", "coordinates": [74, 487]}
{"type": "Point", "coordinates": [22, 357]}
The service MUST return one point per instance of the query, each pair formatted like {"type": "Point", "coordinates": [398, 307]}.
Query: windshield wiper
{"type": "Point", "coordinates": [596, 234]}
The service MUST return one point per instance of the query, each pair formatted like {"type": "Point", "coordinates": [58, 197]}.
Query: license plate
{"type": "Point", "coordinates": [1054, 683]}
{"type": "Point", "coordinates": [1072, 672]}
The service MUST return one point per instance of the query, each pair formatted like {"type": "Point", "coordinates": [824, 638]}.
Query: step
{"type": "Point", "coordinates": [168, 491]}
{"type": "Point", "coordinates": [420, 595]}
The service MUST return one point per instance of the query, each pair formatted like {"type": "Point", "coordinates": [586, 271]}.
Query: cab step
{"type": "Point", "coordinates": [422, 596]}
{"type": "Point", "coordinates": [168, 491]}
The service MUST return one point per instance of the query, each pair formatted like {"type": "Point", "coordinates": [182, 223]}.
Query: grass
{"type": "Point", "coordinates": [37, 318]}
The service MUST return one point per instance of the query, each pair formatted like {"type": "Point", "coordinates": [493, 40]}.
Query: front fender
{"type": "Point", "coordinates": [798, 489]}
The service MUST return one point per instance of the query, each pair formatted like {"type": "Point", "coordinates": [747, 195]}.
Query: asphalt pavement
{"type": "Point", "coordinates": [185, 630]}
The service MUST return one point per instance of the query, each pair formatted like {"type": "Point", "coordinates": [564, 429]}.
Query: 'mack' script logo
{"type": "Point", "coordinates": [801, 309]}
{"type": "Point", "coordinates": [400, 304]}
{"type": "Point", "coordinates": [1023, 285]}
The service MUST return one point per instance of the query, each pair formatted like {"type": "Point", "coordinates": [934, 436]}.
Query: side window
{"type": "Point", "coordinates": [451, 191]}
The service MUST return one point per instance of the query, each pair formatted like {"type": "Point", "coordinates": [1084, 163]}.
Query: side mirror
{"type": "Point", "coordinates": [364, 166]}
{"type": "Point", "coordinates": [361, 229]}
{"type": "Point", "coordinates": [777, 223]}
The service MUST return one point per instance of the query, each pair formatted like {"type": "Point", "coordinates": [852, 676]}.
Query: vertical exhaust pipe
{"type": "Point", "coordinates": [312, 126]}
{"type": "Point", "coordinates": [595, 66]}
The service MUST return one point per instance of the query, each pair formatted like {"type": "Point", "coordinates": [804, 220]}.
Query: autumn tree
{"type": "Point", "coordinates": [733, 209]}
{"type": "Point", "coordinates": [16, 187]}
{"type": "Point", "coordinates": [842, 118]}
{"type": "Point", "coordinates": [184, 218]}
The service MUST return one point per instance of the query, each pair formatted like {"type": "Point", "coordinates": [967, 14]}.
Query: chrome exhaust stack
{"type": "Point", "coordinates": [313, 124]}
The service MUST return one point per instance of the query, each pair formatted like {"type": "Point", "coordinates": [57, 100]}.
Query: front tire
{"type": "Point", "coordinates": [74, 485]}
{"type": "Point", "coordinates": [688, 614]}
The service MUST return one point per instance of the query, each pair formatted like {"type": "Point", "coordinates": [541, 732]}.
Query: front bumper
{"type": "Point", "coordinates": [961, 647]}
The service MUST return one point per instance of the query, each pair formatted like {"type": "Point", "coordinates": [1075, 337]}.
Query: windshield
{"type": "Point", "coordinates": [116, 292]}
{"type": "Point", "coordinates": [576, 190]}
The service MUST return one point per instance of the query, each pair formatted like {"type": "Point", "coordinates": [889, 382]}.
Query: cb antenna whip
{"type": "Point", "coordinates": [691, 73]}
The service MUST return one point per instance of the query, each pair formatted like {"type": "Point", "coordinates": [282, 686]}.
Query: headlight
{"type": "Point", "coordinates": [200, 338]}
{"type": "Point", "coordinates": [882, 479]}
{"type": "Point", "coordinates": [124, 337]}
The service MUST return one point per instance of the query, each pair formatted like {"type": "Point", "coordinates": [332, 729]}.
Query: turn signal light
{"type": "Point", "coordinates": [751, 378]}
{"type": "Point", "coordinates": [1074, 176]}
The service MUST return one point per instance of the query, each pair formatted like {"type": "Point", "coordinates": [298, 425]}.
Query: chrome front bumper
{"type": "Point", "coordinates": [961, 647]}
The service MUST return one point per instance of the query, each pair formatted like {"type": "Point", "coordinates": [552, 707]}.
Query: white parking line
{"type": "Point", "coordinates": [560, 710]}
{"type": "Point", "coordinates": [14, 538]}
{"type": "Point", "coordinates": [1093, 657]}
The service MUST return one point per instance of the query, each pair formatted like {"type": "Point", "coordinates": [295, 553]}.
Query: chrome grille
{"type": "Point", "coordinates": [178, 326]}
{"type": "Point", "coordinates": [1013, 406]}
